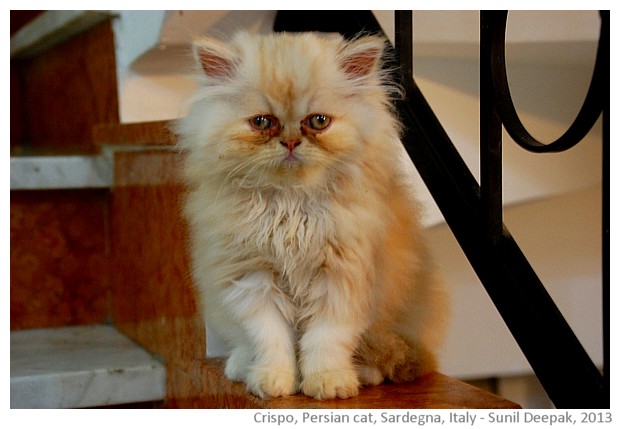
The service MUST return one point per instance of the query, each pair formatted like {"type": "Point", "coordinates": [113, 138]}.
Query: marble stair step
{"type": "Point", "coordinates": [60, 172]}
{"type": "Point", "coordinates": [81, 366]}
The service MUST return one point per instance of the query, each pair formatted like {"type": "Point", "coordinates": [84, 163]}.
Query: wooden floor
{"type": "Point", "coordinates": [434, 391]}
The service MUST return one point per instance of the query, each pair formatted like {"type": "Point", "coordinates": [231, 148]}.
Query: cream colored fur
{"type": "Point", "coordinates": [309, 262]}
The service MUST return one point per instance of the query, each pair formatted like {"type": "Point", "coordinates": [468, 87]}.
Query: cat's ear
{"type": "Point", "coordinates": [215, 58]}
{"type": "Point", "coordinates": [361, 57]}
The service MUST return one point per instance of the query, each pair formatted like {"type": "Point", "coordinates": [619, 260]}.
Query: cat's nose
{"type": "Point", "coordinates": [290, 143]}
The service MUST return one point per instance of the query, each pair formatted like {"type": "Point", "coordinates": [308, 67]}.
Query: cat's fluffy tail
{"type": "Point", "coordinates": [384, 355]}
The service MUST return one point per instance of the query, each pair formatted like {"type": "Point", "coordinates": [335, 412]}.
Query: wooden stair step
{"type": "Point", "coordinates": [433, 391]}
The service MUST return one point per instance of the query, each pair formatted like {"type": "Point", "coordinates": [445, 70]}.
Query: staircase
{"type": "Point", "coordinates": [108, 254]}
{"type": "Point", "coordinates": [65, 352]}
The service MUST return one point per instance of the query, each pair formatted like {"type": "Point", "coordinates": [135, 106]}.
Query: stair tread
{"type": "Point", "coordinates": [81, 366]}
{"type": "Point", "coordinates": [433, 391]}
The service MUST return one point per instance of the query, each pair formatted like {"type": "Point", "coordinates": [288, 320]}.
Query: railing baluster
{"type": "Point", "coordinates": [604, 52]}
{"type": "Point", "coordinates": [404, 40]}
{"type": "Point", "coordinates": [490, 137]}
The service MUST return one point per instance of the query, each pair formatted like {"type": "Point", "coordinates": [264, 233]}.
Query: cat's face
{"type": "Point", "coordinates": [290, 110]}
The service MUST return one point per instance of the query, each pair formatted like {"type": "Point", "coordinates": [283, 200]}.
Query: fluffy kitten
{"type": "Point", "coordinates": [305, 243]}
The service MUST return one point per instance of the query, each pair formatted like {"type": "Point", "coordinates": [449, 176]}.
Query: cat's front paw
{"type": "Point", "coordinates": [272, 382]}
{"type": "Point", "coordinates": [331, 384]}
{"type": "Point", "coordinates": [238, 363]}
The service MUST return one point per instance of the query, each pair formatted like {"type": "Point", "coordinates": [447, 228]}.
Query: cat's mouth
{"type": "Point", "coordinates": [291, 160]}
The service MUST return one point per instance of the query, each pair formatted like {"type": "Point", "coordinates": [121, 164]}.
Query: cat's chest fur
{"type": "Point", "coordinates": [289, 231]}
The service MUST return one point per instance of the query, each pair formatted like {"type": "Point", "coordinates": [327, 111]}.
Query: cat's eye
{"type": "Point", "coordinates": [318, 122]}
{"type": "Point", "coordinates": [263, 122]}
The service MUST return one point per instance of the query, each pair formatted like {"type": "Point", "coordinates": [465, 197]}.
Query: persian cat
{"type": "Point", "coordinates": [306, 249]}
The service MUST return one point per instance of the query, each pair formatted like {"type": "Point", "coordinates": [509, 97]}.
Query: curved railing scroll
{"type": "Point", "coordinates": [590, 110]}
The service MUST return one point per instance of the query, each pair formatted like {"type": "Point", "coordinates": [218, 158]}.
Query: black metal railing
{"type": "Point", "coordinates": [497, 110]}
{"type": "Point", "coordinates": [474, 212]}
